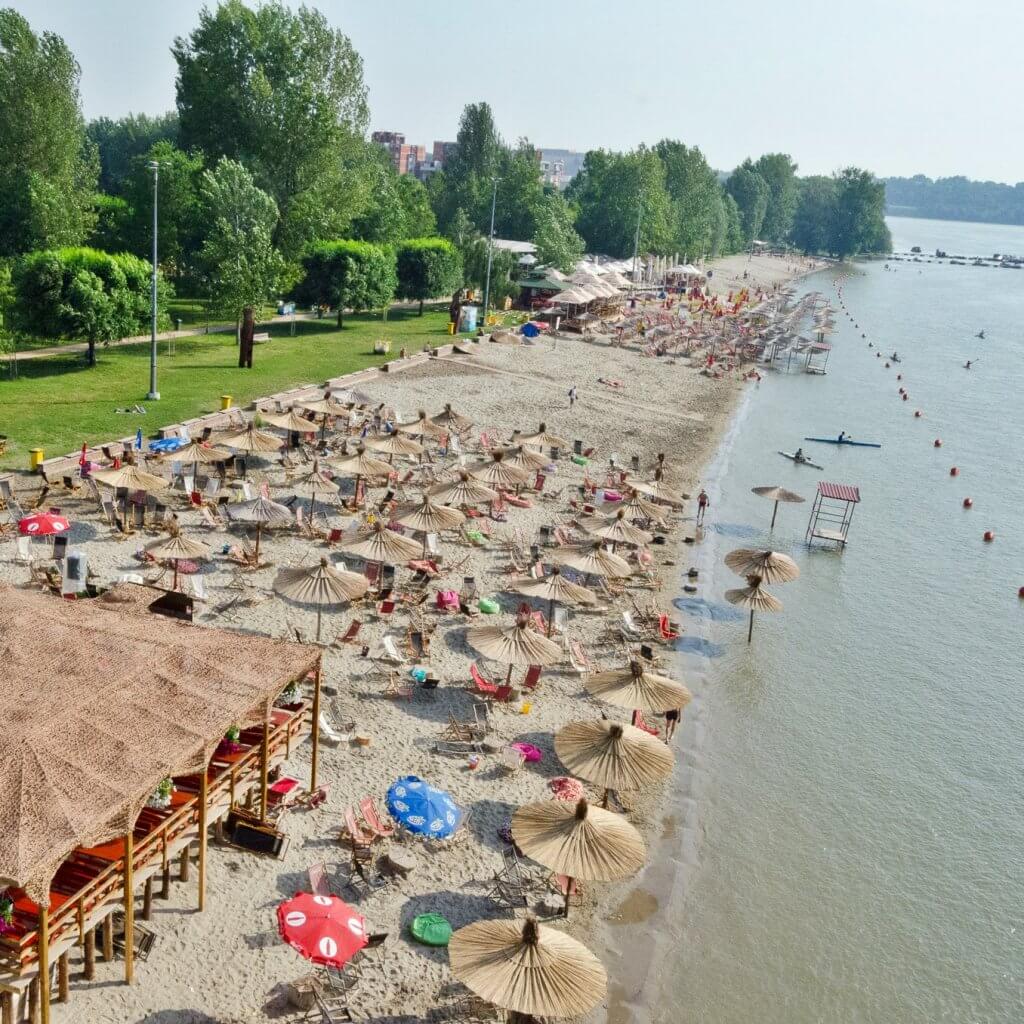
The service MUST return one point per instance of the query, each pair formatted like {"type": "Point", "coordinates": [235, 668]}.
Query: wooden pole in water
{"type": "Point", "coordinates": [202, 837]}
{"type": "Point", "coordinates": [750, 631]}
{"type": "Point", "coordinates": [129, 908]}
{"type": "Point", "coordinates": [315, 759]}
{"type": "Point", "coordinates": [775, 512]}
{"type": "Point", "coordinates": [43, 947]}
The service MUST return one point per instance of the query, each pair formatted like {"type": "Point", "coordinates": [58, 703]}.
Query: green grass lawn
{"type": "Point", "coordinates": [57, 402]}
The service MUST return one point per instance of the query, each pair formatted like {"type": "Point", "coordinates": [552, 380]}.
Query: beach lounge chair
{"type": "Point", "coordinates": [510, 886]}
{"type": "Point", "coordinates": [368, 809]}
{"type": "Point", "coordinates": [486, 688]}
{"type": "Point", "coordinates": [351, 633]}
{"type": "Point", "coordinates": [512, 759]}
{"type": "Point", "coordinates": [397, 688]}
{"type": "Point", "coordinates": [390, 651]}
{"type": "Point", "coordinates": [630, 630]}
{"type": "Point", "coordinates": [665, 630]}
{"type": "Point", "coordinates": [333, 733]}
{"type": "Point", "coordinates": [328, 1011]}
{"type": "Point", "coordinates": [578, 658]}
{"type": "Point", "coordinates": [352, 832]}
{"type": "Point", "coordinates": [24, 550]}
{"type": "Point", "coordinates": [532, 677]}
{"type": "Point", "coordinates": [318, 883]}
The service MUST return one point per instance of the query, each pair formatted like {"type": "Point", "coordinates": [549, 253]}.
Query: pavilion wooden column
{"type": "Point", "coordinates": [108, 938]}
{"type": "Point", "coordinates": [63, 978]}
{"type": "Point", "coordinates": [265, 768]}
{"type": "Point", "coordinates": [203, 797]}
{"type": "Point", "coordinates": [314, 762]}
{"type": "Point", "coordinates": [89, 965]}
{"type": "Point", "coordinates": [43, 946]}
{"type": "Point", "coordinates": [7, 1008]}
{"type": "Point", "coordinates": [129, 908]}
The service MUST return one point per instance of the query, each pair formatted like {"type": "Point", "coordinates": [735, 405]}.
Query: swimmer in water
{"type": "Point", "coordinates": [980, 334]}
{"type": "Point", "coordinates": [967, 365]}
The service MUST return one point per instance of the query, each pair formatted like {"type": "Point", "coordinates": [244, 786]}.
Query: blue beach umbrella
{"type": "Point", "coordinates": [529, 330]}
{"type": "Point", "coordinates": [422, 809]}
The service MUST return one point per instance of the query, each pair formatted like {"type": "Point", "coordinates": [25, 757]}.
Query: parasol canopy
{"type": "Point", "coordinates": [313, 483]}
{"type": "Point", "coordinates": [617, 530]}
{"type": "Point", "coordinates": [449, 419]}
{"type": "Point", "coordinates": [325, 406]}
{"type": "Point", "coordinates": [290, 420]}
{"type": "Point", "coordinates": [323, 929]}
{"type": "Point", "coordinates": [361, 464]}
{"type": "Point", "coordinates": [43, 524]}
{"type": "Point", "coordinates": [753, 597]}
{"type": "Point", "coordinates": [498, 473]}
{"type": "Point", "coordinates": [422, 426]}
{"type": "Point", "coordinates": [383, 545]}
{"type": "Point", "coordinates": [554, 587]}
{"type": "Point", "coordinates": [263, 512]}
{"type": "Point", "coordinates": [422, 809]}
{"type": "Point", "coordinates": [464, 491]}
{"type": "Point", "coordinates": [196, 452]}
{"type": "Point", "coordinates": [776, 494]}
{"type": "Point", "coordinates": [132, 477]}
{"type": "Point", "coordinates": [431, 517]}
{"type": "Point", "coordinates": [179, 546]}
{"type": "Point", "coordinates": [525, 459]}
{"type": "Point", "coordinates": [519, 644]}
{"type": "Point", "coordinates": [770, 566]}
{"type": "Point", "coordinates": [638, 507]}
{"type": "Point", "coordinates": [613, 755]}
{"type": "Point", "coordinates": [527, 967]}
{"type": "Point", "coordinates": [251, 439]}
{"type": "Point", "coordinates": [394, 444]}
{"type": "Point", "coordinates": [635, 687]}
{"type": "Point", "coordinates": [578, 840]}
{"type": "Point", "coordinates": [592, 559]}
{"type": "Point", "coordinates": [544, 439]}
{"type": "Point", "coordinates": [320, 584]}
{"type": "Point", "coordinates": [658, 489]}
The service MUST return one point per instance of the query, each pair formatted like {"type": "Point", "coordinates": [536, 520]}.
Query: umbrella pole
{"type": "Point", "coordinates": [508, 678]}
{"type": "Point", "coordinates": [775, 512]}
{"type": "Point", "coordinates": [259, 530]}
{"type": "Point", "coordinates": [604, 799]}
{"type": "Point", "coordinates": [319, 615]}
{"type": "Point", "coordinates": [312, 507]}
{"type": "Point", "coordinates": [174, 585]}
{"type": "Point", "coordinates": [551, 616]}
{"type": "Point", "coordinates": [750, 631]}
{"type": "Point", "coordinates": [568, 895]}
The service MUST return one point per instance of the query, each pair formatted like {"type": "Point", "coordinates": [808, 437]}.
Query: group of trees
{"type": "Point", "coordinates": [956, 198]}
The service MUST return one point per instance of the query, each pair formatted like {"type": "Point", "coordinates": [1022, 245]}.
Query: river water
{"type": "Point", "coordinates": [846, 840]}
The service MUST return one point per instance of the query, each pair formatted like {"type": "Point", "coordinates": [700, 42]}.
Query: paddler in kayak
{"type": "Point", "coordinates": [798, 455]}
{"type": "Point", "coordinates": [843, 436]}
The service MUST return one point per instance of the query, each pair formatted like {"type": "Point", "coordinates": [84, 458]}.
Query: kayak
{"type": "Point", "coordinates": [835, 440]}
{"type": "Point", "coordinates": [800, 462]}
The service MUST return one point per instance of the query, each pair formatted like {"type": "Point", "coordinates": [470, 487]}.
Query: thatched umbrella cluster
{"type": "Point", "coordinates": [759, 567]}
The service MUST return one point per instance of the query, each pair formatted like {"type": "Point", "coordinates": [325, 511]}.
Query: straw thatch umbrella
{"type": "Point", "coordinates": [290, 421]}
{"type": "Point", "coordinates": [635, 687]}
{"type": "Point", "coordinates": [251, 439]}
{"type": "Point", "coordinates": [519, 644]}
{"type": "Point", "coordinates": [638, 507]}
{"type": "Point", "coordinates": [325, 407]}
{"type": "Point", "coordinates": [382, 545]}
{"type": "Point", "coordinates": [658, 489]}
{"type": "Point", "coordinates": [525, 459]}
{"type": "Point", "coordinates": [312, 482]}
{"type": "Point", "coordinates": [592, 559]}
{"type": "Point", "coordinates": [770, 566]}
{"type": "Point", "coordinates": [552, 589]}
{"type": "Point", "coordinates": [263, 512]}
{"type": "Point", "coordinates": [776, 494]}
{"type": "Point", "coordinates": [543, 439]}
{"type": "Point", "coordinates": [394, 444]}
{"type": "Point", "coordinates": [464, 491]}
{"type": "Point", "coordinates": [132, 479]}
{"type": "Point", "coordinates": [450, 420]}
{"type": "Point", "coordinates": [196, 452]}
{"type": "Point", "coordinates": [527, 968]}
{"type": "Point", "coordinates": [177, 547]}
{"type": "Point", "coordinates": [616, 530]}
{"type": "Point", "coordinates": [361, 464]}
{"type": "Point", "coordinates": [580, 841]}
{"type": "Point", "coordinates": [753, 597]}
{"type": "Point", "coordinates": [422, 426]}
{"type": "Point", "coordinates": [320, 584]}
{"type": "Point", "coordinates": [497, 473]}
{"type": "Point", "coordinates": [612, 755]}
{"type": "Point", "coordinates": [431, 517]}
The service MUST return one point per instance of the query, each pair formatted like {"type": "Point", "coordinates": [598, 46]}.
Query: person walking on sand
{"type": "Point", "coordinates": [702, 505]}
{"type": "Point", "coordinates": [572, 396]}
{"type": "Point", "coordinates": [671, 723]}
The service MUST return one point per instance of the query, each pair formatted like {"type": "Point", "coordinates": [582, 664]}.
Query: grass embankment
{"type": "Point", "coordinates": [57, 403]}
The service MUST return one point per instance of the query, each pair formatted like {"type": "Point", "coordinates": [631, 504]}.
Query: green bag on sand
{"type": "Point", "coordinates": [488, 606]}
{"type": "Point", "coordinates": [581, 460]}
{"type": "Point", "coordinates": [475, 535]}
{"type": "Point", "coordinates": [431, 929]}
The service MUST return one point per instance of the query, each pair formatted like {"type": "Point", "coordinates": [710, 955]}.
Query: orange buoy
{"type": "Point", "coordinates": [917, 413]}
{"type": "Point", "coordinates": [954, 471]}
{"type": "Point", "coordinates": [968, 502]}
{"type": "Point", "coordinates": [938, 442]}
{"type": "Point", "coordinates": [988, 536]}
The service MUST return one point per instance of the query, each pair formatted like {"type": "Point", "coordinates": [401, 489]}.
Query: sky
{"type": "Point", "coordinates": [900, 87]}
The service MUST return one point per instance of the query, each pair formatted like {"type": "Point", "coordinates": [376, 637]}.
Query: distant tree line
{"type": "Point", "coordinates": [269, 187]}
{"type": "Point", "coordinates": [956, 198]}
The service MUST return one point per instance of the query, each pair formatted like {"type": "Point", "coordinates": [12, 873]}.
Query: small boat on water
{"type": "Point", "coordinates": [800, 462]}
{"type": "Point", "coordinates": [835, 440]}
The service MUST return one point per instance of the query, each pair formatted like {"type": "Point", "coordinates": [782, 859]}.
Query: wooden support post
{"type": "Point", "coordinates": [62, 978]}
{"type": "Point", "coordinates": [129, 908]}
{"type": "Point", "coordinates": [203, 797]}
{"type": "Point", "coordinates": [108, 937]}
{"type": "Point", "coordinates": [33, 1001]}
{"type": "Point", "coordinates": [43, 941]}
{"type": "Point", "coordinates": [89, 967]}
{"type": "Point", "coordinates": [165, 887]}
{"type": "Point", "coordinates": [185, 864]}
{"type": "Point", "coordinates": [7, 1008]}
{"type": "Point", "coordinates": [80, 914]}
{"type": "Point", "coordinates": [314, 763]}
{"type": "Point", "coordinates": [265, 769]}
{"type": "Point", "coordinates": [147, 900]}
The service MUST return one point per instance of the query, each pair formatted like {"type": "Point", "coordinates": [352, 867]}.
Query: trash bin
{"type": "Point", "coordinates": [451, 326]}
{"type": "Point", "coordinates": [225, 401]}
{"type": "Point", "coordinates": [35, 457]}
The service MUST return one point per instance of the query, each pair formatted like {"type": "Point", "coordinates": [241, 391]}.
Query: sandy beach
{"type": "Point", "coordinates": [228, 964]}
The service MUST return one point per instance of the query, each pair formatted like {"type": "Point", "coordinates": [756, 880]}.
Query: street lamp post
{"type": "Point", "coordinates": [153, 395]}
{"type": "Point", "coordinates": [636, 239]}
{"type": "Point", "coordinates": [490, 250]}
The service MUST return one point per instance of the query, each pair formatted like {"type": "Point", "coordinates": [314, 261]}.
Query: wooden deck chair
{"type": "Point", "coordinates": [368, 809]}
{"type": "Point", "coordinates": [397, 688]}
{"type": "Point", "coordinates": [352, 833]}
{"type": "Point", "coordinates": [351, 633]}
{"type": "Point", "coordinates": [532, 677]}
{"type": "Point", "coordinates": [318, 883]}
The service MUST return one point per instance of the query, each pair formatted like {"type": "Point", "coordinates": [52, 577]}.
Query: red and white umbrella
{"type": "Point", "coordinates": [323, 929]}
{"type": "Point", "coordinates": [43, 524]}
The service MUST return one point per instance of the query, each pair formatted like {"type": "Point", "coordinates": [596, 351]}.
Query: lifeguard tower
{"type": "Point", "coordinates": [832, 513]}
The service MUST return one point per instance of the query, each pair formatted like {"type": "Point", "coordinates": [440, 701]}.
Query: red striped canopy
{"type": "Point", "coordinates": [841, 492]}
